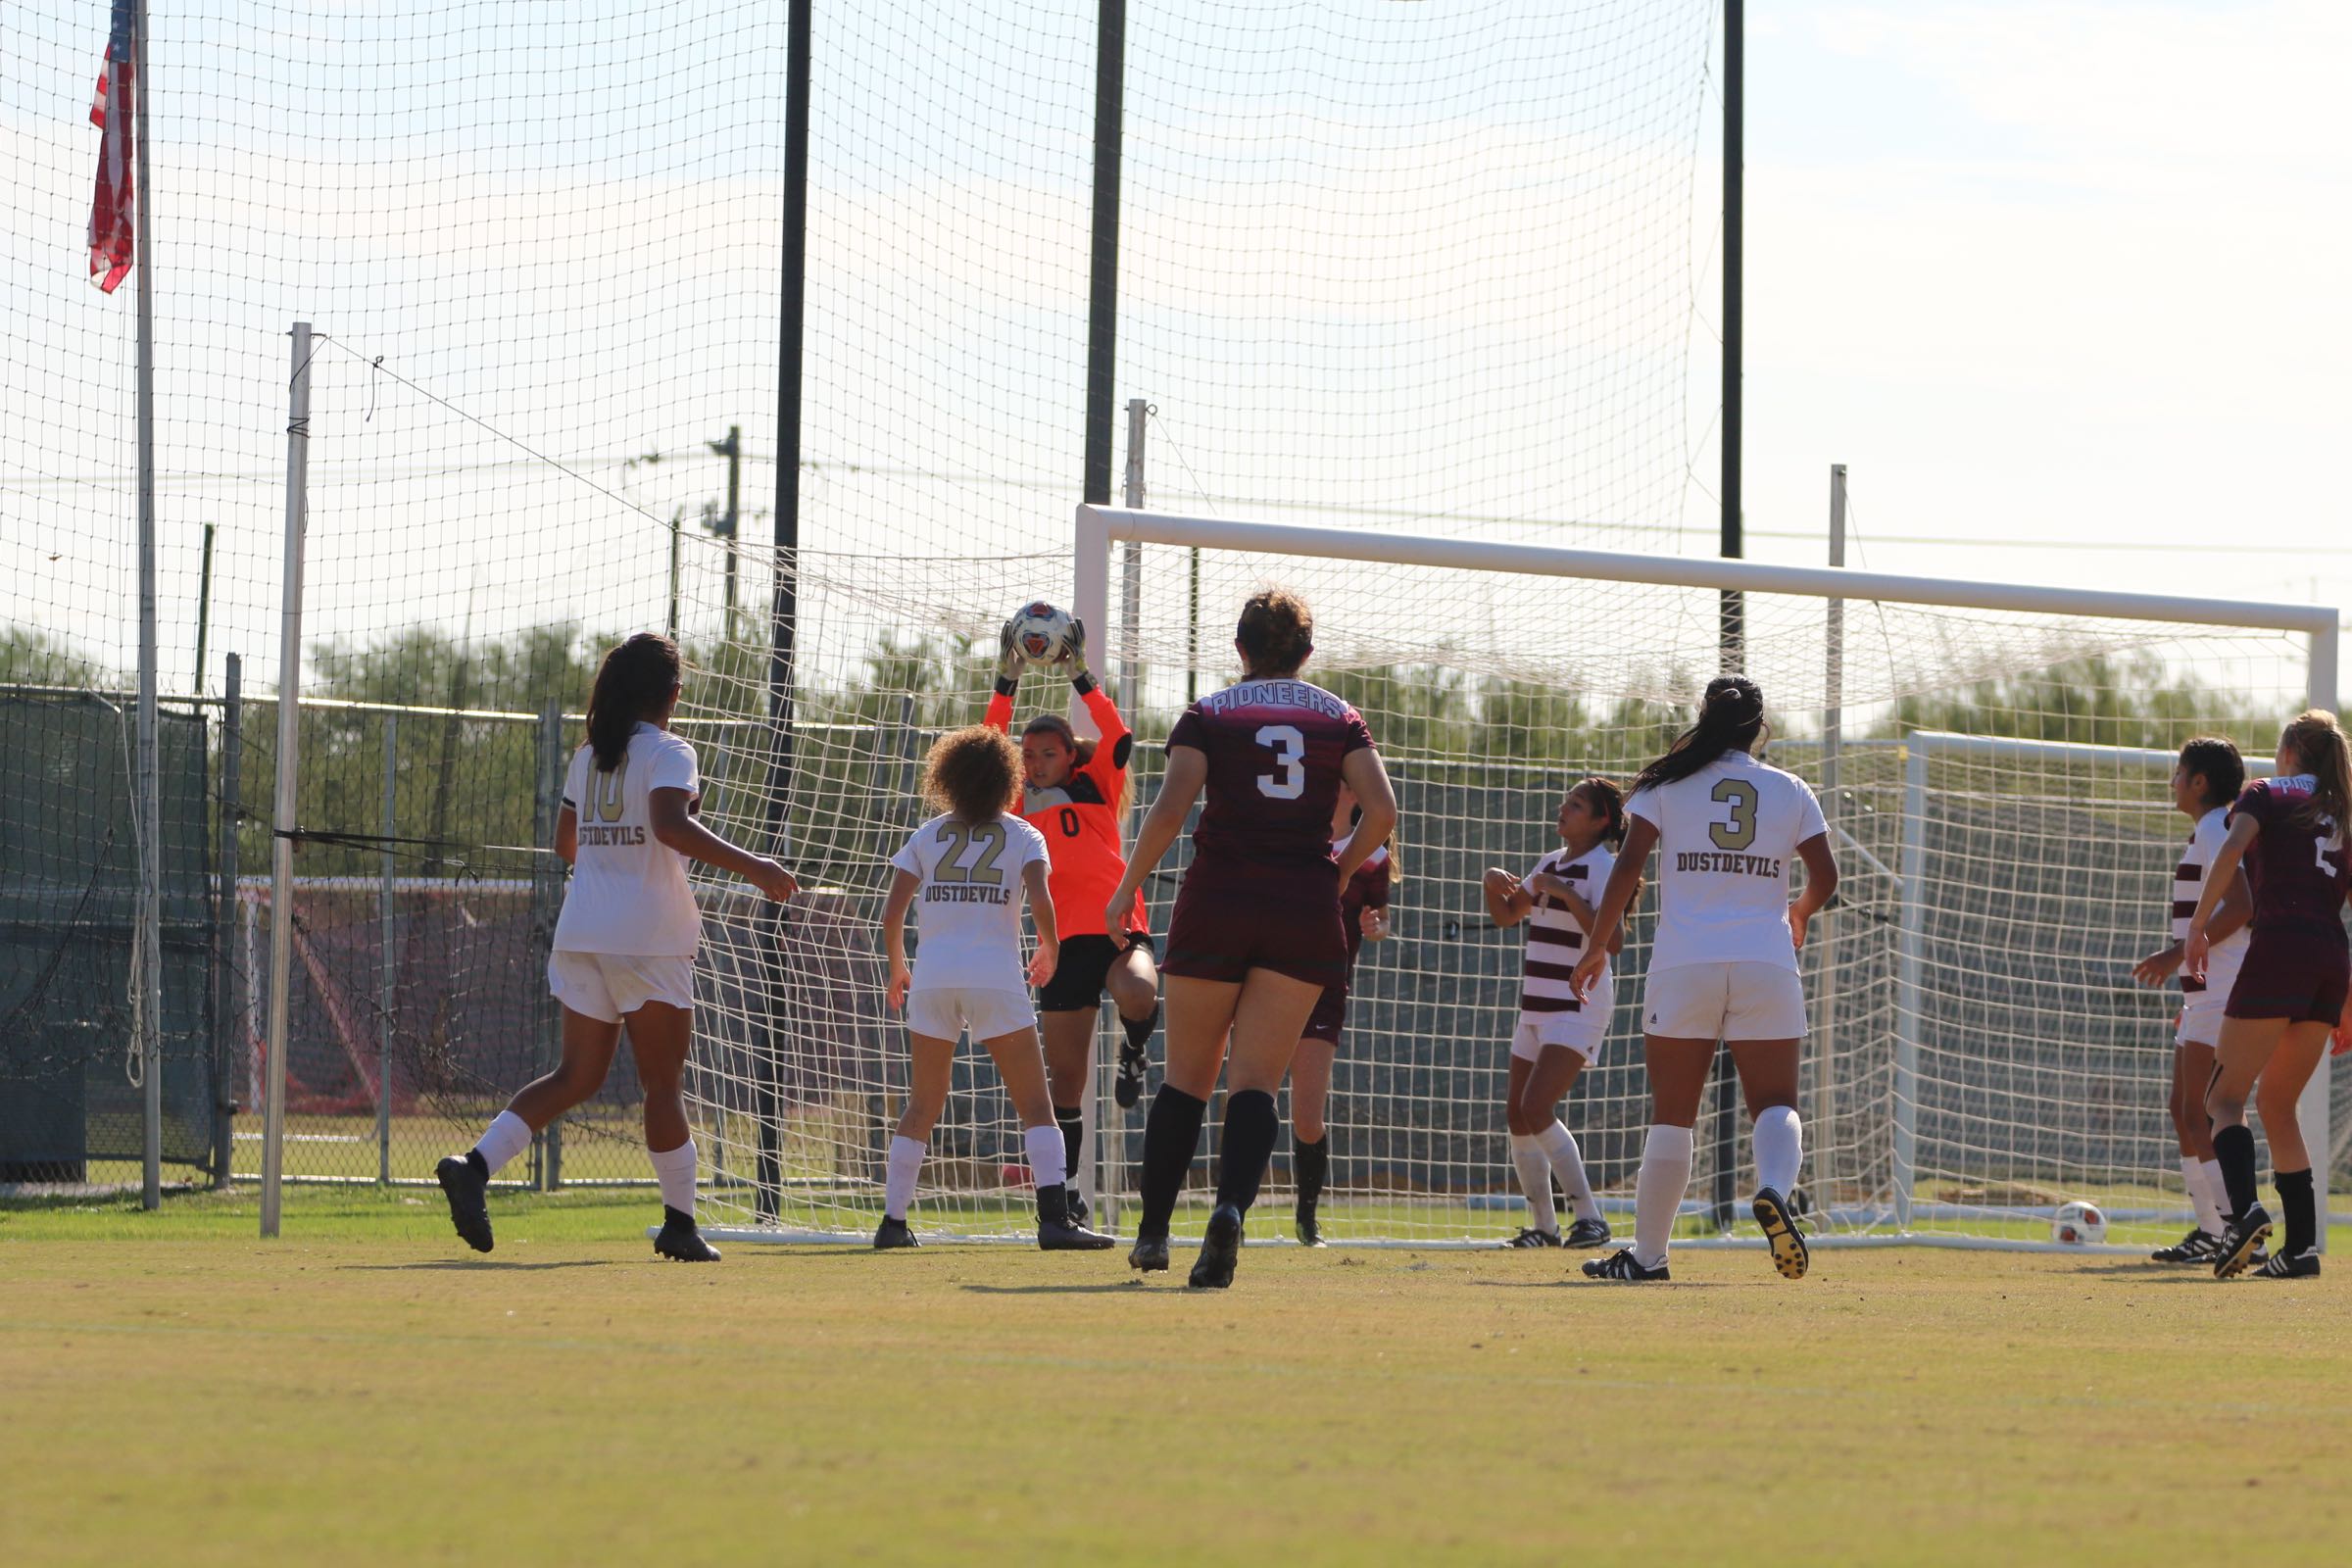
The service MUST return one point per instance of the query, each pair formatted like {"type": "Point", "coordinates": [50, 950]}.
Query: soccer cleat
{"type": "Point", "coordinates": [1589, 1233]}
{"type": "Point", "coordinates": [1068, 1236]}
{"type": "Point", "coordinates": [680, 1242]}
{"type": "Point", "coordinates": [1149, 1255]}
{"type": "Point", "coordinates": [1530, 1238]}
{"type": "Point", "coordinates": [2303, 1266]}
{"type": "Point", "coordinates": [893, 1234]}
{"type": "Point", "coordinates": [1074, 1209]}
{"type": "Point", "coordinates": [465, 1185]}
{"type": "Point", "coordinates": [1128, 1087]}
{"type": "Point", "coordinates": [2240, 1242]}
{"type": "Point", "coordinates": [1310, 1232]}
{"type": "Point", "coordinates": [1788, 1251]}
{"type": "Point", "coordinates": [2197, 1247]}
{"type": "Point", "coordinates": [1220, 1250]}
{"type": "Point", "coordinates": [1622, 1268]}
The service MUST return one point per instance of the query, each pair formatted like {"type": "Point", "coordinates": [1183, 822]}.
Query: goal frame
{"type": "Point", "coordinates": [1099, 527]}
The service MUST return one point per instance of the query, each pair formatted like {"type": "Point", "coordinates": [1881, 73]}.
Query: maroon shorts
{"type": "Point", "coordinates": [1329, 1017]}
{"type": "Point", "coordinates": [2301, 977]}
{"type": "Point", "coordinates": [1287, 919]}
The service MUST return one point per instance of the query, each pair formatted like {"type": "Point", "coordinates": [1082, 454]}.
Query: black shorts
{"type": "Point", "coordinates": [1329, 1017]}
{"type": "Point", "coordinates": [2301, 977]}
{"type": "Point", "coordinates": [1084, 966]}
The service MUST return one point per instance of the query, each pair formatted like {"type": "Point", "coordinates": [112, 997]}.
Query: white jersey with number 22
{"type": "Point", "coordinates": [967, 904]}
{"type": "Point", "coordinates": [1727, 838]}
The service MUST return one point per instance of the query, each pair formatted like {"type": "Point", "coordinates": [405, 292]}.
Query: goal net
{"type": "Point", "coordinates": [1993, 763]}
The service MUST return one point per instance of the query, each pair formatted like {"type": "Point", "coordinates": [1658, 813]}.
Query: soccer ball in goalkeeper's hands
{"type": "Point", "coordinates": [2079, 1225]}
{"type": "Point", "coordinates": [1040, 632]}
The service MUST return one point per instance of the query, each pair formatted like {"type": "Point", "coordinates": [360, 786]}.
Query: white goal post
{"type": "Point", "coordinates": [1927, 788]}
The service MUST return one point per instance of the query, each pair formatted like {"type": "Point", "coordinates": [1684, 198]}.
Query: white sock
{"type": "Point", "coordinates": [510, 1135]}
{"type": "Point", "coordinates": [1779, 1148]}
{"type": "Point", "coordinates": [1568, 1163]}
{"type": "Point", "coordinates": [673, 1169]}
{"type": "Point", "coordinates": [1048, 1166]}
{"type": "Point", "coordinates": [1658, 1191]}
{"type": "Point", "coordinates": [2202, 1178]}
{"type": "Point", "coordinates": [898, 1188]}
{"type": "Point", "coordinates": [1535, 1180]}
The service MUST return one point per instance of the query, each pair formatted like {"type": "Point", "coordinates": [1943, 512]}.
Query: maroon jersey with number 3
{"type": "Point", "coordinates": [1264, 890]}
{"type": "Point", "coordinates": [1274, 749]}
{"type": "Point", "coordinates": [2296, 873]}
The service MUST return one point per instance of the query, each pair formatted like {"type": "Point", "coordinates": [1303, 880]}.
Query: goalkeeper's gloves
{"type": "Point", "coordinates": [1010, 661]}
{"type": "Point", "coordinates": [1073, 657]}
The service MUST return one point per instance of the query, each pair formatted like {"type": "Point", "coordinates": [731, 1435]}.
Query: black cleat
{"type": "Point", "coordinates": [1310, 1232]}
{"type": "Point", "coordinates": [2197, 1247]}
{"type": "Point", "coordinates": [1074, 1207]}
{"type": "Point", "coordinates": [1622, 1268]}
{"type": "Point", "coordinates": [680, 1242]}
{"type": "Point", "coordinates": [466, 1183]}
{"type": "Point", "coordinates": [2303, 1266]}
{"type": "Point", "coordinates": [893, 1234]}
{"type": "Point", "coordinates": [1589, 1233]}
{"type": "Point", "coordinates": [1128, 1087]}
{"type": "Point", "coordinates": [1068, 1236]}
{"type": "Point", "coordinates": [1788, 1251]}
{"type": "Point", "coordinates": [1149, 1255]}
{"type": "Point", "coordinates": [1530, 1238]}
{"type": "Point", "coordinates": [1220, 1250]}
{"type": "Point", "coordinates": [2240, 1242]}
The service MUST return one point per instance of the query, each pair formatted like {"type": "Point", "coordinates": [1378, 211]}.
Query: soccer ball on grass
{"type": "Point", "coordinates": [1040, 632]}
{"type": "Point", "coordinates": [2079, 1224]}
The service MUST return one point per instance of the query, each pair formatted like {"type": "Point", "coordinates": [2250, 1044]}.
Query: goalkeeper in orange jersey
{"type": "Point", "coordinates": [1075, 793]}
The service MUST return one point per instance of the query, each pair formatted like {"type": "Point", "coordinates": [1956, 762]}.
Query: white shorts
{"type": "Point", "coordinates": [1726, 1002]}
{"type": "Point", "coordinates": [609, 985]}
{"type": "Point", "coordinates": [946, 1011]}
{"type": "Point", "coordinates": [2201, 1011]}
{"type": "Point", "coordinates": [1582, 1031]}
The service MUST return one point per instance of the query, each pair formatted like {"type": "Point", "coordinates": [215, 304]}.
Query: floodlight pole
{"type": "Point", "coordinates": [289, 756]}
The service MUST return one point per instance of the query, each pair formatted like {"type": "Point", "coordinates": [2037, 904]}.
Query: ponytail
{"type": "Point", "coordinates": [631, 686]}
{"type": "Point", "coordinates": [1729, 719]}
{"type": "Point", "coordinates": [2319, 744]}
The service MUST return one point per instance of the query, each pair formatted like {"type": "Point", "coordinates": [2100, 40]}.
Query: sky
{"type": "Point", "coordinates": [2057, 283]}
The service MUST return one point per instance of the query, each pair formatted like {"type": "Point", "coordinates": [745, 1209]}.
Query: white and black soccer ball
{"type": "Point", "coordinates": [2078, 1224]}
{"type": "Point", "coordinates": [1042, 632]}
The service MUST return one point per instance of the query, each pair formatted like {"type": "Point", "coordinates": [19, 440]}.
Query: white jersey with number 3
{"type": "Point", "coordinates": [1727, 838]}
{"type": "Point", "coordinates": [967, 906]}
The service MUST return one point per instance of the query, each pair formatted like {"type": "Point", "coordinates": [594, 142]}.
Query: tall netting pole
{"type": "Point", "coordinates": [289, 756]}
{"type": "Point", "coordinates": [149, 943]}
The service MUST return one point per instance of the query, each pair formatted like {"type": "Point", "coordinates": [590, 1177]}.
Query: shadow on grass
{"type": "Point", "coordinates": [1573, 1282]}
{"type": "Point", "coordinates": [473, 1263]}
{"type": "Point", "coordinates": [1110, 1289]}
{"type": "Point", "coordinates": [2152, 1273]}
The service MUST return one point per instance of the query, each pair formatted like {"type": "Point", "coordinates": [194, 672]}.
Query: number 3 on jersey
{"type": "Point", "coordinates": [1740, 831]}
{"type": "Point", "coordinates": [1290, 758]}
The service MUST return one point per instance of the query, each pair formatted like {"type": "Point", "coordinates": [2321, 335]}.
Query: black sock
{"type": "Point", "coordinates": [2297, 1204]}
{"type": "Point", "coordinates": [2234, 1150]}
{"type": "Point", "coordinates": [1054, 1204]}
{"type": "Point", "coordinates": [1171, 1138]}
{"type": "Point", "coordinates": [481, 1166]}
{"type": "Point", "coordinates": [1250, 1128]}
{"type": "Point", "coordinates": [1310, 1162]}
{"type": "Point", "coordinates": [1074, 1131]}
{"type": "Point", "coordinates": [1138, 1030]}
{"type": "Point", "coordinates": [676, 1220]}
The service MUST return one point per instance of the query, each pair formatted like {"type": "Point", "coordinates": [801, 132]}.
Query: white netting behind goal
{"type": "Point", "coordinates": [1997, 792]}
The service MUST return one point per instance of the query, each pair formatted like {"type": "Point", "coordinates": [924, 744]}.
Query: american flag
{"type": "Point", "coordinates": [113, 242]}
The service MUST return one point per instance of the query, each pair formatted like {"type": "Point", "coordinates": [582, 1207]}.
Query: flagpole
{"type": "Point", "coordinates": [148, 945]}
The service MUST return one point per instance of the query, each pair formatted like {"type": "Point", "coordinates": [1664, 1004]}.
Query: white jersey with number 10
{"type": "Point", "coordinates": [1727, 840]}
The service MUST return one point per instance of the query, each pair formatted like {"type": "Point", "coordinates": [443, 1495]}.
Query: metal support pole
{"type": "Point", "coordinates": [784, 609]}
{"type": "Point", "coordinates": [2312, 1109]}
{"type": "Point", "coordinates": [546, 898]}
{"type": "Point", "coordinates": [204, 609]}
{"type": "Point", "coordinates": [230, 1025]}
{"type": "Point", "coordinates": [677, 528]}
{"type": "Point", "coordinates": [289, 757]}
{"type": "Point", "coordinates": [1910, 963]}
{"type": "Point", "coordinates": [1832, 742]}
{"type": "Point", "coordinates": [1102, 278]}
{"type": "Point", "coordinates": [1734, 611]}
{"type": "Point", "coordinates": [387, 920]}
{"type": "Point", "coordinates": [147, 947]}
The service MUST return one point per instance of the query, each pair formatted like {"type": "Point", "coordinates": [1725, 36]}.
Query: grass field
{"type": "Point", "coordinates": [176, 1391]}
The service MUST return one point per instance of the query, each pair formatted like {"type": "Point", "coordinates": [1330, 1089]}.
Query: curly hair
{"type": "Point", "coordinates": [1277, 632]}
{"type": "Point", "coordinates": [971, 773]}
